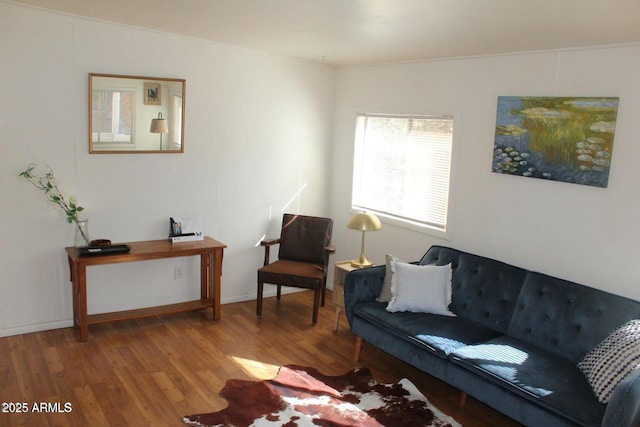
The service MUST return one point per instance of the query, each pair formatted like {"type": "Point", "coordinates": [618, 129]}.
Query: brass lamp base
{"type": "Point", "coordinates": [360, 263]}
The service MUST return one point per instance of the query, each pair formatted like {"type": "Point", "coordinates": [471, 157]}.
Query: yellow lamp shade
{"type": "Point", "coordinates": [364, 221]}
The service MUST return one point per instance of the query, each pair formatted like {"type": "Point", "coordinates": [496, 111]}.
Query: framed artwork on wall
{"type": "Point", "coordinates": [567, 139]}
{"type": "Point", "coordinates": [152, 94]}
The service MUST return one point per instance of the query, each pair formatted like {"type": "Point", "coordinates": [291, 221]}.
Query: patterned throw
{"type": "Point", "coordinates": [611, 361]}
{"type": "Point", "coordinates": [300, 396]}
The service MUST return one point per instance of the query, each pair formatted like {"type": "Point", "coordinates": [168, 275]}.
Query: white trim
{"type": "Point", "coordinates": [37, 327]}
{"type": "Point", "coordinates": [40, 327]}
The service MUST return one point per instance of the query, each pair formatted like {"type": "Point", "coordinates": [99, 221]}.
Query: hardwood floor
{"type": "Point", "coordinates": [152, 372]}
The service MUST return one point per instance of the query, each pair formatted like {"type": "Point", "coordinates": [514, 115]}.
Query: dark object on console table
{"type": "Point", "coordinates": [104, 250]}
{"type": "Point", "coordinates": [514, 344]}
{"type": "Point", "coordinates": [100, 242]}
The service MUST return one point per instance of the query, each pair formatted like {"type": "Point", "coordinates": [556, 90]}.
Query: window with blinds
{"type": "Point", "coordinates": [112, 116]}
{"type": "Point", "coordinates": [402, 167]}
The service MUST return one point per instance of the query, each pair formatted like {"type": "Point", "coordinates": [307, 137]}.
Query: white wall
{"type": "Point", "coordinates": [586, 234]}
{"type": "Point", "coordinates": [257, 143]}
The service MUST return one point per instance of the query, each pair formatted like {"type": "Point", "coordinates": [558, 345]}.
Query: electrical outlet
{"type": "Point", "coordinates": [177, 272]}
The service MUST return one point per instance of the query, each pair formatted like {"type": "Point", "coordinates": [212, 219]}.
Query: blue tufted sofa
{"type": "Point", "coordinates": [514, 344]}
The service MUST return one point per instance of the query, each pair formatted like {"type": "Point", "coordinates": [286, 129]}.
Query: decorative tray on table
{"type": "Point", "coordinates": [104, 250]}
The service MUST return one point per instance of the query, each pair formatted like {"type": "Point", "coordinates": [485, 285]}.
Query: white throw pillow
{"type": "Point", "coordinates": [611, 361]}
{"type": "Point", "coordinates": [420, 288]}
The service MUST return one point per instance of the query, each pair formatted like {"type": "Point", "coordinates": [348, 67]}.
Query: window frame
{"type": "Point", "coordinates": [394, 220]}
{"type": "Point", "coordinates": [113, 141]}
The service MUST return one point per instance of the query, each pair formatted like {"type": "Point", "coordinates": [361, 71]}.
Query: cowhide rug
{"type": "Point", "coordinates": [300, 396]}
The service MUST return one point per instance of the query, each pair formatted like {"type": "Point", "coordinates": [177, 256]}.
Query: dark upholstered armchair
{"type": "Point", "coordinates": [303, 258]}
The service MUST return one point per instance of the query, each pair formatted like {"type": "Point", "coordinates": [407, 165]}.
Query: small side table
{"type": "Point", "coordinates": [341, 269]}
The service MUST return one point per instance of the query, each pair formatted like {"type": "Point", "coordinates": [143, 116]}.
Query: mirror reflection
{"type": "Point", "coordinates": [131, 114]}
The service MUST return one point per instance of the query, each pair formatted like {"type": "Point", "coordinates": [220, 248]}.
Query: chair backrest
{"type": "Point", "coordinates": [304, 238]}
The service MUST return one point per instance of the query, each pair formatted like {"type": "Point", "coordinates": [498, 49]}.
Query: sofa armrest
{"type": "Point", "coordinates": [623, 409]}
{"type": "Point", "coordinates": [362, 285]}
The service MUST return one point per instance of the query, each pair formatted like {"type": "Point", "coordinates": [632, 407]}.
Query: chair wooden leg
{"type": "Point", "coordinates": [279, 293]}
{"type": "Point", "coordinates": [259, 298]}
{"type": "Point", "coordinates": [316, 305]}
{"type": "Point", "coordinates": [358, 349]}
{"type": "Point", "coordinates": [324, 288]}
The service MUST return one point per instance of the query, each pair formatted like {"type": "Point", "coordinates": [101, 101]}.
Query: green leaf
{"type": "Point", "coordinates": [46, 182]}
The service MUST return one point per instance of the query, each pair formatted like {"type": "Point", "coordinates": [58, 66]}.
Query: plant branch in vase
{"type": "Point", "coordinates": [48, 184]}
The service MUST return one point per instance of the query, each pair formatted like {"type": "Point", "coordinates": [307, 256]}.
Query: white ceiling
{"type": "Point", "coordinates": [345, 32]}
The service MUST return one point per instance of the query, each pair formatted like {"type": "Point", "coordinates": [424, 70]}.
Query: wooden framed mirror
{"type": "Point", "coordinates": [136, 114]}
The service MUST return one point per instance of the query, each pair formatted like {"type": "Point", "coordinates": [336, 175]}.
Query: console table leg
{"type": "Point", "coordinates": [73, 277]}
{"type": "Point", "coordinates": [215, 274]}
{"type": "Point", "coordinates": [210, 271]}
{"type": "Point", "coordinates": [83, 321]}
{"type": "Point", "coordinates": [205, 280]}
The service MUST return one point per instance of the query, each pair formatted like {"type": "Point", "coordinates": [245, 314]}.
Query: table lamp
{"type": "Point", "coordinates": [364, 222]}
{"type": "Point", "coordinates": [159, 125]}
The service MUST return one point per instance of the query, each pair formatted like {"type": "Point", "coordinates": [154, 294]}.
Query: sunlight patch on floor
{"type": "Point", "coordinates": [255, 368]}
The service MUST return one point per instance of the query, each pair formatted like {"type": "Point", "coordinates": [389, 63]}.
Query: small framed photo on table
{"type": "Point", "coordinates": [152, 94]}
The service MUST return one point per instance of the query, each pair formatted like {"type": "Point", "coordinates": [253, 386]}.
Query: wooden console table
{"type": "Point", "coordinates": [210, 251]}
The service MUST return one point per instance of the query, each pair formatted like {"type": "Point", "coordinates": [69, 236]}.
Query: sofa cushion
{"type": "Point", "coordinates": [420, 289]}
{"type": "Point", "coordinates": [566, 318]}
{"type": "Point", "coordinates": [611, 361]}
{"type": "Point", "coordinates": [438, 334]}
{"type": "Point", "coordinates": [484, 290]}
{"type": "Point", "coordinates": [385, 293]}
{"type": "Point", "coordinates": [535, 374]}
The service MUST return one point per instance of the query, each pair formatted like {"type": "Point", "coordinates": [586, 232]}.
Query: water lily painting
{"type": "Point", "coordinates": [556, 138]}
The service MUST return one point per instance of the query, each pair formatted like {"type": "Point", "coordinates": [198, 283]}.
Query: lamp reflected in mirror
{"type": "Point", "coordinates": [159, 125]}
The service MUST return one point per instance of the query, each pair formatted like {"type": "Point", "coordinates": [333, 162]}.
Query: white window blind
{"type": "Point", "coordinates": [402, 167]}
